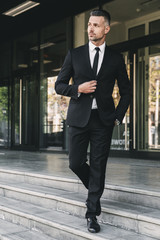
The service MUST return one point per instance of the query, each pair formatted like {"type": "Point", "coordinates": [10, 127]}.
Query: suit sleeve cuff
{"type": "Point", "coordinates": [117, 122]}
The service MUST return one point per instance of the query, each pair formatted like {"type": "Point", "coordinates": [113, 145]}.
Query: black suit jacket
{"type": "Point", "coordinates": [77, 66]}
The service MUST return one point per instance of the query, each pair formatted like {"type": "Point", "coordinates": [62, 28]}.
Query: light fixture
{"type": "Point", "coordinates": [114, 23]}
{"type": "Point", "coordinates": [25, 6]}
{"type": "Point", "coordinates": [138, 10]}
{"type": "Point", "coordinates": [56, 69]}
{"type": "Point", "coordinates": [42, 46]}
{"type": "Point", "coordinates": [44, 61]}
{"type": "Point", "coordinates": [23, 65]}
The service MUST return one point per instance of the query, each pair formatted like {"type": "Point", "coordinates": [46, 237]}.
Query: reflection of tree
{"type": "Point", "coordinates": [63, 106]}
{"type": "Point", "coordinates": [116, 96]}
{"type": "Point", "coordinates": [3, 111]}
{"type": "Point", "coordinates": [54, 99]}
{"type": "Point", "coordinates": [3, 103]}
{"type": "Point", "coordinates": [57, 106]}
{"type": "Point", "coordinates": [154, 76]}
{"type": "Point", "coordinates": [154, 101]}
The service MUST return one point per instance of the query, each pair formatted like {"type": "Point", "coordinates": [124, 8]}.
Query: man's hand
{"type": "Point", "coordinates": [87, 87]}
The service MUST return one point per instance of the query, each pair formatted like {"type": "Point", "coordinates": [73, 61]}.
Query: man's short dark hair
{"type": "Point", "coordinates": [103, 13]}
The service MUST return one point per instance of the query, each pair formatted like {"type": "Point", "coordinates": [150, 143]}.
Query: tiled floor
{"type": "Point", "coordinates": [137, 173]}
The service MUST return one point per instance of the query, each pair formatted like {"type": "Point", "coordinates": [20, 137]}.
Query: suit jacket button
{"type": "Point", "coordinates": [91, 96]}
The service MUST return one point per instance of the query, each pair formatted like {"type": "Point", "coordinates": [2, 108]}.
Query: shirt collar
{"type": "Point", "coordinates": [92, 46]}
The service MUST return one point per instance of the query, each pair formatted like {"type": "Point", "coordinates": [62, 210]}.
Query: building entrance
{"type": "Point", "coordinates": [140, 129]}
{"type": "Point", "coordinates": [146, 101]}
{"type": "Point", "coordinates": [24, 112]}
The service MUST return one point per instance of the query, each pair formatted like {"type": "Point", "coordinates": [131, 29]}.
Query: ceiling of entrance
{"type": "Point", "coordinates": [53, 10]}
{"type": "Point", "coordinates": [125, 10]}
{"type": "Point", "coordinates": [48, 11]}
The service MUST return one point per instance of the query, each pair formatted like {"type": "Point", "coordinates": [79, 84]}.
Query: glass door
{"type": "Point", "coordinates": [17, 136]}
{"type": "Point", "coordinates": [24, 110]}
{"type": "Point", "coordinates": [154, 102]}
{"type": "Point", "coordinates": [140, 99]}
{"type": "Point", "coordinates": [121, 133]}
{"type": "Point", "coordinates": [140, 129]}
{"type": "Point", "coordinates": [146, 98]}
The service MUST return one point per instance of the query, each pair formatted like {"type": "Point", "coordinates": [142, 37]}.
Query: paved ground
{"type": "Point", "coordinates": [137, 173]}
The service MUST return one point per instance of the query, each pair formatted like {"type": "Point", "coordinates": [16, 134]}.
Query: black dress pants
{"type": "Point", "coordinates": [92, 175]}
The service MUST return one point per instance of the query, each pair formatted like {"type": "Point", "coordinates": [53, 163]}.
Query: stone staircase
{"type": "Point", "coordinates": [43, 207]}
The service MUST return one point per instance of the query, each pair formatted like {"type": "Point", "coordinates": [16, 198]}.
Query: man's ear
{"type": "Point", "coordinates": [107, 29]}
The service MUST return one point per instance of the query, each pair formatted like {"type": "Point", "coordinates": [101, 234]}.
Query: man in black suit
{"type": "Point", "coordinates": [91, 116]}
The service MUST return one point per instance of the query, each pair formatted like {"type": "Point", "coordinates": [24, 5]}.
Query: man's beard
{"type": "Point", "coordinates": [94, 39]}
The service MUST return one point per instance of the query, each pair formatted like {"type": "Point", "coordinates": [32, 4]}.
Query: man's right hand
{"type": "Point", "coordinates": [87, 87]}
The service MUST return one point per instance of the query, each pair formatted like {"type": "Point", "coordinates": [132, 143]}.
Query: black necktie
{"type": "Point", "coordinates": [95, 63]}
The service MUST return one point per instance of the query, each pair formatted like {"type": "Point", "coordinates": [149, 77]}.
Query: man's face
{"type": "Point", "coordinates": [97, 29]}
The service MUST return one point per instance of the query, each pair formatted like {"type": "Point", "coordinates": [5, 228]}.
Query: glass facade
{"type": "Point", "coordinates": [136, 32]}
{"type": "Point", "coordinates": [5, 94]}
{"type": "Point", "coordinates": [147, 97]}
{"type": "Point", "coordinates": [140, 128]}
{"type": "Point", "coordinates": [33, 116]}
{"type": "Point", "coordinates": [55, 42]}
{"type": "Point", "coordinates": [24, 94]}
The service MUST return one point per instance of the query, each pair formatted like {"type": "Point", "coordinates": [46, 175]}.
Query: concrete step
{"type": "Point", "coordinates": [140, 219]}
{"type": "Point", "coordinates": [54, 224]}
{"type": "Point", "coordinates": [11, 231]}
{"type": "Point", "coordinates": [118, 193]}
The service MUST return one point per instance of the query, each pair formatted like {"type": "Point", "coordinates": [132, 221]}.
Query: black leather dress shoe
{"type": "Point", "coordinates": [93, 225]}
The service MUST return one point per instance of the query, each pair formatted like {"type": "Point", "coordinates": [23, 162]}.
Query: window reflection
{"type": "Point", "coordinates": [55, 41]}
{"type": "Point", "coordinates": [56, 107]}
{"type": "Point", "coordinates": [154, 102]}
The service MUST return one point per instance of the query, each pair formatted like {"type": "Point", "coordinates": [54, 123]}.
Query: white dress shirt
{"type": "Point", "coordinates": [92, 53]}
